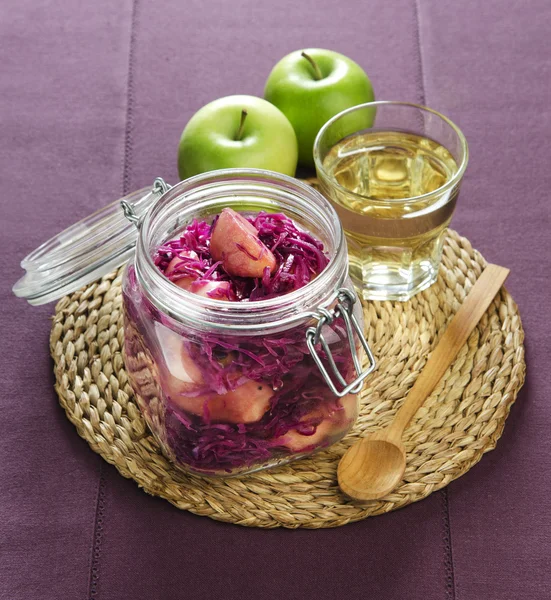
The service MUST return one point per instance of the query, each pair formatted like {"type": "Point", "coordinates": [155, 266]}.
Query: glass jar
{"type": "Point", "coordinates": [232, 387]}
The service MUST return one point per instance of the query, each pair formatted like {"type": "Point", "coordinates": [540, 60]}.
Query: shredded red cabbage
{"type": "Point", "coordinates": [299, 256]}
{"type": "Point", "coordinates": [301, 399]}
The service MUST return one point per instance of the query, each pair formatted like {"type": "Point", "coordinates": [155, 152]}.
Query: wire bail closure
{"type": "Point", "coordinates": [345, 303]}
{"type": "Point", "coordinates": [159, 187]}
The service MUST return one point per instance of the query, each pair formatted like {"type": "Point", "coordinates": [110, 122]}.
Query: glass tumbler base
{"type": "Point", "coordinates": [384, 282]}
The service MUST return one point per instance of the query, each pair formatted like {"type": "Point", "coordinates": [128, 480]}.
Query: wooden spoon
{"type": "Point", "coordinates": [375, 465]}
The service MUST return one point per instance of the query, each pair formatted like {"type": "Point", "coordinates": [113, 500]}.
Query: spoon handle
{"type": "Point", "coordinates": [457, 333]}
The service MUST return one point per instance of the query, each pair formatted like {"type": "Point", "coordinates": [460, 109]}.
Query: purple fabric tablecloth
{"type": "Point", "coordinates": [93, 97]}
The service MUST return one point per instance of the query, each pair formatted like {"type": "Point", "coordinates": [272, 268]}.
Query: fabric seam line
{"type": "Point", "coordinates": [127, 156]}
{"type": "Point", "coordinates": [448, 549]}
{"type": "Point", "coordinates": [129, 129]}
{"type": "Point", "coordinates": [421, 70]}
{"type": "Point", "coordinates": [98, 536]}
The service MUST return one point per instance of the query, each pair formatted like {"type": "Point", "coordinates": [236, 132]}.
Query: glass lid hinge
{"type": "Point", "coordinates": [159, 187]}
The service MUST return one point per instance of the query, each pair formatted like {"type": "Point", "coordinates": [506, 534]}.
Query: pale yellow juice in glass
{"type": "Point", "coordinates": [390, 190]}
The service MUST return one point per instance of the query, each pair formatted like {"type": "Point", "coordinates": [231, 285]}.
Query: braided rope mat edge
{"type": "Point", "coordinates": [460, 421]}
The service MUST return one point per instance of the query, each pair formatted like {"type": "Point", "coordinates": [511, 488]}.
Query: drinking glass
{"type": "Point", "coordinates": [392, 171]}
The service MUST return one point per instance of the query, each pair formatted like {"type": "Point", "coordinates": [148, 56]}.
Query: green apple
{"type": "Point", "coordinates": [237, 132]}
{"type": "Point", "coordinates": [310, 87]}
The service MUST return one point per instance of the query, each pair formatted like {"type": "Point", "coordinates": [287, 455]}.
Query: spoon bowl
{"type": "Point", "coordinates": [378, 466]}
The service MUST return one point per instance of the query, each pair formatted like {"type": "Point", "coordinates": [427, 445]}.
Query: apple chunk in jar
{"type": "Point", "coordinates": [218, 302]}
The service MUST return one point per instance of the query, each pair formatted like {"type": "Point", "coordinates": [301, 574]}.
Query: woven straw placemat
{"type": "Point", "coordinates": [463, 418]}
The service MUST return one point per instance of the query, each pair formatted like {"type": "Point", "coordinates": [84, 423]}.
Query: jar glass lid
{"type": "Point", "coordinates": [86, 250]}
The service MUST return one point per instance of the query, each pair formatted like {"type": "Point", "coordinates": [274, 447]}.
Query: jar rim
{"type": "Point", "coordinates": [241, 316]}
